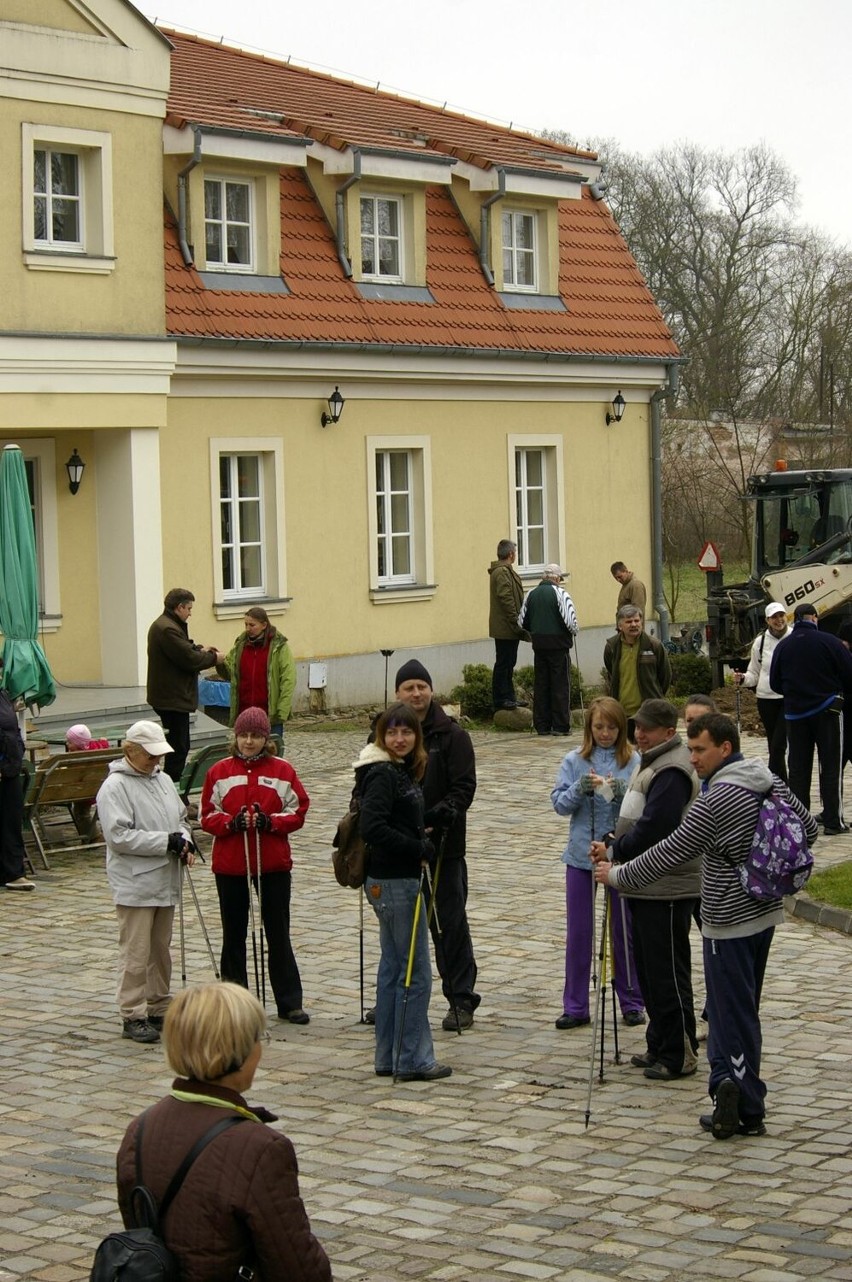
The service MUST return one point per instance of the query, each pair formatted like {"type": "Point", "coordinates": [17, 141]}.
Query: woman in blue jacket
{"type": "Point", "coordinates": [591, 783]}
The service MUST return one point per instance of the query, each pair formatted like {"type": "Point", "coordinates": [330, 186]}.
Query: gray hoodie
{"type": "Point", "coordinates": [137, 813]}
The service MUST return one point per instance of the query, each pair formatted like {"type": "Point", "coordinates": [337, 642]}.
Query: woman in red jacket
{"type": "Point", "coordinates": [251, 802]}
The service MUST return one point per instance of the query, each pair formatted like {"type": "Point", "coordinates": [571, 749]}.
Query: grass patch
{"type": "Point", "coordinates": [834, 886]}
{"type": "Point", "coordinates": [690, 605]}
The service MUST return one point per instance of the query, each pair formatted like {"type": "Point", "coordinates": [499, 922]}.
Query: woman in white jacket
{"type": "Point", "coordinates": [142, 817]}
{"type": "Point", "coordinates": [770, 704]}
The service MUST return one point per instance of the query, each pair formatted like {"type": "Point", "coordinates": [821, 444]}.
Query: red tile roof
{"type": "Point", "coordinates": [609, 308]}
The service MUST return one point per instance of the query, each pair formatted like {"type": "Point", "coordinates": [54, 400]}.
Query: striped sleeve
{"type": "Point", "coordinates": [690, 839]}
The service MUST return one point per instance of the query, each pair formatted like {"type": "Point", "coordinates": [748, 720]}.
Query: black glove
{"type": "Point", "coordinates": [175, 843]}
{"type": "Point", "coordinates": [427, 850]}
{"type": "Point", "coordinates": [240, 821]}
{"type": "Point", "coordinates": [442, 815]}
{"type": "Point", "coordinates": [262, 821]}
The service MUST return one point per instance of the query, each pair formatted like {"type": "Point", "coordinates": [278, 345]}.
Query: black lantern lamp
{"type": "Point", "coordinates": [617, 410]}
{"type": "Point", "coordinates": [75, 468]}
{"type": "Point", "coordinates": [335, 408]}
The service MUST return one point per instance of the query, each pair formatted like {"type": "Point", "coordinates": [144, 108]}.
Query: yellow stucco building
{"type": "Point", "coordinates": [199, 246]}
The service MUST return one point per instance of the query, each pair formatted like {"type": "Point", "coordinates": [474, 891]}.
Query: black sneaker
{"type": "Point", "coordinates": [831, 830]}
{"type": "Point", "coordinates": [643, 1061]}
{"type": "Point", "coordinates": [725, 1119]}
{"type": "Point", "coordinates": [633, 1018]}
{"type": "Point", "coordinates": [662, 1073]}
{"type": "Point", "coordinates": [756, 1127]}
{"type": "Point", "coordinates": [297, 1016]}
{"type": "Point", "coordinates": [572, 1021]}
{"type": "Point", "coordinates": [432, 1074]}
{"type": "Point", "coordinates": [465, 1019]}
{"type": "Point", "coordinates": [139, 1030]}
{"type": "Point", "coordinates": [370, 1015]}
{"type": "Point", "coordinates": [156, 1021]}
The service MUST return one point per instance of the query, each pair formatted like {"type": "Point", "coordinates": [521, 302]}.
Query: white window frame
{"type": "Point", "coordinates": [223, 180]}
{"type": "Point", "coordinates": [95, 252]}
{"type": "Point", "coordinates": [419, 584]}
{"type": "Point", "coordinates": [551, 448]}
{"type": "Point", "coordinates": [512, 285]}
{"type": "Point", "coordinates": [42, 454]}
{"type": "Point", "coordinates": [231, 602]}
{"type": "Point", "coordinates": [377, 276]}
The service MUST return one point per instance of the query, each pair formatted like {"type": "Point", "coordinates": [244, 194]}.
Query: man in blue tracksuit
{"type": "Point", "coordinates": [813, 672]}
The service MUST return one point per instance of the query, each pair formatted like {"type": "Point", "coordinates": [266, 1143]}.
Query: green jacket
{"type": "Point", "coordinates": [280, 676]}
{"type": "Point", "coordinates": [653, 669]}
{"type": "Point", "coordinates": [506, 598]}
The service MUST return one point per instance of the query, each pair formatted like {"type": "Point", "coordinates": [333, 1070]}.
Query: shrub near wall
{"type": "Point", "coordinates": [690, 675]}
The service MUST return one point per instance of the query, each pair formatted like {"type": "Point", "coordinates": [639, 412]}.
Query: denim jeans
{"type": "Point", "coordinates": [393, 902]}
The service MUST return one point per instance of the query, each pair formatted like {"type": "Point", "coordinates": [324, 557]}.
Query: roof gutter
{"type": "Point", "coordinates": [194, 160]}
{"type": "Point", "coordinates": [340, 211]}
{"type": "Point", "coordinates": [662, 393]}
{"type": "Point", "coordinates": [485, 225]}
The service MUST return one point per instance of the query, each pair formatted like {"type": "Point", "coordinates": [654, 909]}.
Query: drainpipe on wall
{"type": "Point", "coordinates": [485, 225]}
{"type": "Point", "coordinates": [657, 496]}
{"type": "Point", "coordinates": [182, 203]}
{"type": "Point", "coordinates": [340, 203]}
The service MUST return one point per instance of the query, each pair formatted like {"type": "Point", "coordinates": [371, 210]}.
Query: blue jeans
{"type": "Point", "coordinates": [393, 902]}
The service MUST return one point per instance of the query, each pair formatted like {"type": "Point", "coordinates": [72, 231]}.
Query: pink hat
{"type": "Point", "coordinates": [78, 738]}
{"type": "Point", "coordinates": [252, 721]}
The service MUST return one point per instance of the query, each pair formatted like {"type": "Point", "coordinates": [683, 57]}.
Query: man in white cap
{"type": "Point", "coordinates": [142, 818]}
{"type": "Point", "coordinates": [770, 704]}
{"type": "Point", "coordinates": [548, 615]}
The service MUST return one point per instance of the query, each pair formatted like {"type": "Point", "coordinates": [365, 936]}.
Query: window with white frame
{"type": "Point", "coordinates": [228, 224]}
{"type": "Point", "coordinates": [519, 251]}
{"type": "Point", "coordinates": [381, 238]}
{"type": "Point", "coordinates": [67, 199]}
{"type": "Point", "coordinates": [536, 465]}
{"type": "Point", "coordinates": [248, 520]}
{"type": "Point", "coordinates": [400, 517]}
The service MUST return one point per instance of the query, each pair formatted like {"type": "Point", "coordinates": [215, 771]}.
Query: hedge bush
{"type": "Point", "coordinates": [691, 674]}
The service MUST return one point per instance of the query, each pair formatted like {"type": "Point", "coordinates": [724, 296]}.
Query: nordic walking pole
{"type": "Point", "coordinates": [594, 904]}
{"type": "Point", "coordinates": [738, 698]}
{"type": "Point", "coordinates": [433, 909]}
{"type": "Point", "coordinates": [259, 861]}
{"type": "Point", "coordinates": [361, 947]}
{"type": "Point", "coordinates": [201, 923]}
{"type": "Point", "coordinates": [409, 969]}
{"type": "Point", "coordinates": [614, 1004]}
{"type": "Point", "coordinates": [597, 1016]}
{"type": "Point", "coordinates": [180, 922]}
{"type": "Point", "coordinates": [605, 938]}
{"type": "Point", "coordinates": [251, 911]}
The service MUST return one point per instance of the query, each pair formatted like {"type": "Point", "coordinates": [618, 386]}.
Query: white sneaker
{"type": "Point", "coordinates": [20, 883]}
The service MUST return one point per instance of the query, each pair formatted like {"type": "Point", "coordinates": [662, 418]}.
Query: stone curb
{"type": "Point", "coordinates": [820, 914]}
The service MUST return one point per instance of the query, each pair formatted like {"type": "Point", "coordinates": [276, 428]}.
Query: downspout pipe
{"type": "Point", "coordinates": [657, 494]}
{"type": "Point", "coordinates": [340, 210]}
{"type": "Point", "coordinates": [485, 225]}
{"type": "Point", "coordinates": [195, 159]}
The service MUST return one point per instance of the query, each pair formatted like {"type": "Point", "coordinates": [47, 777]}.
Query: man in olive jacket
{"type": "Point", "coordinates": [637, 665]}
{"type": "Point", "coordinates": [507, 596]}
{"type": "Point", "coordinates": [174, 662]}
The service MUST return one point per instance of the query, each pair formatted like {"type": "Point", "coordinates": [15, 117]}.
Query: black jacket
{"type": "Point", "coordinates": [391, 820]}
{"type": "Point", "coordinates": [810, 668]}
{"type": "Point", "coordinates": [11, 743]}
{"type": "Point", "coordinates": [450, 779]}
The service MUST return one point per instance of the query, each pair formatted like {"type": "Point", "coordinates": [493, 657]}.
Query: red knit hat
{"type": "Point", "coordinates": [252, 721]}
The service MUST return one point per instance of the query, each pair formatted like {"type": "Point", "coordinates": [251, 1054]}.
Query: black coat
{"type": "Point", "coordinates": [450, 778]}
{"type": "Point", "coordinates": [11, 743]}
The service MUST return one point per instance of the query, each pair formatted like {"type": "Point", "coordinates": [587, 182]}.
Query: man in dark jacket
{"type": "Point", "coordinates": [506, 598]}
{"type": "Point", "coordinates": [659, 793]}
{"type": "Point", "coordinates": [174, 662]}
{"type": "Point", "coordinates": [813, 671]}
{"type": "Point", "coordinates": [637, 665]}
{"type": "Point", "coordinates": [448, 788]}
{"type": "Point", "coordinates": [548, 615]}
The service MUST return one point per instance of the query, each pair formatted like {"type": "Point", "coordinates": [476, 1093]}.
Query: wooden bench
{"type": "Point", "coordinates": [57, 784]}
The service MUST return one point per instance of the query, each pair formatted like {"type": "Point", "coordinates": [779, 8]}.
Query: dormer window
{"type": "Point", "coordinates": [381, 238]}
{"type": "Point", "coordinates": [228, 229]}
{"type": "Point", "coordinates": [519, 251]}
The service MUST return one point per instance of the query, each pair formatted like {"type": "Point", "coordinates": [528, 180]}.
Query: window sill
{"type": "Point", "coordinates": [391, 293]}
{"type": "Point", "coordinates": [403, 592]}
{"type": "Point", "coordinates": [49, 623]}
{"type": "Point", "coordinates": [519, 300]}
{"type": "Point", "coordinates": [48, 260]}
{"type": "Point", "coordinates": [219, 278]}
{"type": "Point", "coordinates": [237, 609]}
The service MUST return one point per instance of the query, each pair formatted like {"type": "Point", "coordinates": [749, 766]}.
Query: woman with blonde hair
{"type": "Point", "coordinates": [591, 783]}
{"type": "Point", "coordinates": [239, 1205]}
{"type": "Point", "coordinates": [387, 780]}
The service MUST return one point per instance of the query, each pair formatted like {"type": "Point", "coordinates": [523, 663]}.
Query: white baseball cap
{"type": "Point", "coordinates": [774, 607]}
{"type": "Point", "coordinates": [148, 735]}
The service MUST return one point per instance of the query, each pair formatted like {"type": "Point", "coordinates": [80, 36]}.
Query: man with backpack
{"type": "Point", "coordinates": [770, 704]}
{"type": "Point", "coordinates": [737, 927]}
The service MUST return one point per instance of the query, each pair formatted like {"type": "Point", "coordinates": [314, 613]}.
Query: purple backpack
{"type": "Point", "coordinates": [779, 862]}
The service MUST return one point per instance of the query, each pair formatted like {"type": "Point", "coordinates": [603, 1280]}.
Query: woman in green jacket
{"type": "Point", "coordinates": [261, 670]}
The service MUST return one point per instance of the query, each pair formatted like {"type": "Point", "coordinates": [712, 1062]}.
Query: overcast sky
{"type": "Point", "coordinates": [723, 73]}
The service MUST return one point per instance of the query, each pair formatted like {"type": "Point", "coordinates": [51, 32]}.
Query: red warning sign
{"type": "Point", "coordinates": [709, 558]}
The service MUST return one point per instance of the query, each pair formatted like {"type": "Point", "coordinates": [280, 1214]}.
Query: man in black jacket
{"type": "Point", "coordinates": [448, 788]}
{"type": "Point", "coordinates": [813, 671]}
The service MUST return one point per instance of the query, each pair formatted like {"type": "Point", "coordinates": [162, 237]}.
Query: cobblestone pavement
{"type": "Point", "coordinates": [487, 1175]}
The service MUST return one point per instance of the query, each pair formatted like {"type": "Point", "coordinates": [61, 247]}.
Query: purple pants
{"type": "Point", "coordinates": [579, 891]}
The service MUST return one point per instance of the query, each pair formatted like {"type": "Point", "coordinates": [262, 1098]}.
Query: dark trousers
{"type": "Point", "coordinates": [234, 909]}
{"type": "Point", "coordinates": [453, 945]}
{"type": "Point", "coordinates": [502, 686]}
{"type": "Point", "coordinates": [772, 715]}
{"type": "Point", "coordinates": [823, 731]}
{"type": "Point", "coordinates": [176, 726]}
{"type": "Point", "coordinates": [664, 964]}
{"type": "Point", "coordinates": [12, 851]}
{"type": "Point", "coordinates": [551, 692]}
{"type": "Point", "coordinates": [733, 972]}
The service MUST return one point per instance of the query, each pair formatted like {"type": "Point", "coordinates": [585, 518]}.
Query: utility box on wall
{"type": "Point", "coordinates": [317, 682]}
